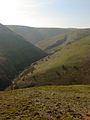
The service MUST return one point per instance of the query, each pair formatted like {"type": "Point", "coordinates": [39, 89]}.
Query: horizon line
{"type": "Point", "coordinates": [47, 26]}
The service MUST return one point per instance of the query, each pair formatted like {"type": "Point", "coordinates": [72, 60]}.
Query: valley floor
{"type": "Point", "coordinates": [46, 103]}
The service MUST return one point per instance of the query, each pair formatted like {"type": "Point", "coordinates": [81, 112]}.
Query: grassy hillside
{"type": "Point", "coordinates": [36, 35]}
{"type": "Point", "coordinates": [15, 55]}
{"type": "Point", "coordinates": [52, 44]}
{"type": "Point", "coordinates": [70, 64]}
{"type": "Point", "coordinates": [46, 103]}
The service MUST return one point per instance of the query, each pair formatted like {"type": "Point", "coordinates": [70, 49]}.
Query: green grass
{"type": "Point", "coordinates": [74, 57]}
{"type": "Point", "coordinates": [46, 103]}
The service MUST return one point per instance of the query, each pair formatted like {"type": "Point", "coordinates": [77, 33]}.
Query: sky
{"type": "Point", "coordinates": [46, 13]}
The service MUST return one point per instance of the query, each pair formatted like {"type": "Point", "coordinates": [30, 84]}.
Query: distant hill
{"type": "Point", "coordinates": [53, 43]}
{"type": "Point", "coordinates": [36, 35]}
{"type": "Point", "coordinates": [15, 55]}
{"type": "Point", "coordinates": [49, 39]}
{"type": "Point", "coordinates": [29, 33]}
{"type": "Point", "coordinates": [69, 63]}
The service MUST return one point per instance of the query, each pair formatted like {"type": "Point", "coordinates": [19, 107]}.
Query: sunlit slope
{"type": "Point", "coordinates": [46, 103]}
{"type": "Point", "coordinates": [69, 65]}
{"type": "Point", "coordinates": [15, 55]}
{"type": "Point", "coordinates": [52, 44]}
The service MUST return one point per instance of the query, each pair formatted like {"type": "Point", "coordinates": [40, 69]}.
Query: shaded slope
{"type": "Point", "coordinates": [30, 34]}
{"type": "Point", "coordinates": [15, 55]}
{"type": "Point", "coordinates": [69, 65]}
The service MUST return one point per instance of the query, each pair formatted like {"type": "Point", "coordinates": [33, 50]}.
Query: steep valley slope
{"type": "Point", "coordinates": [15, 55]}
{"type": "Point", "coordinates": [68, 64]}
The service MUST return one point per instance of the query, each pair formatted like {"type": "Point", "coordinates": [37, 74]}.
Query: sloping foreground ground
{"type": "Point", "coordinates": [46, 103]}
